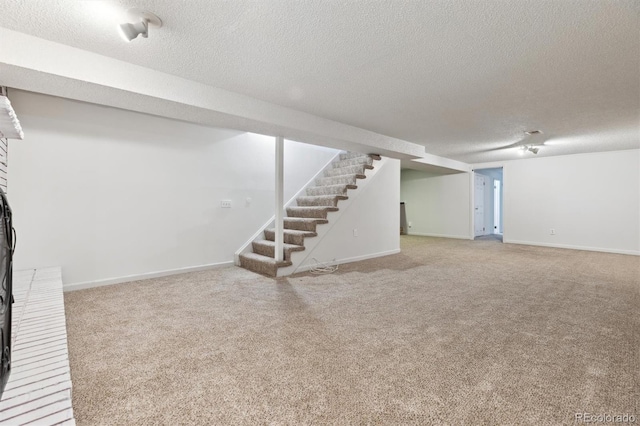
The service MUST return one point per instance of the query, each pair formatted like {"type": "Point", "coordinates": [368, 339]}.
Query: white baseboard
{"type": "Point", "coordinates": [457, 237]}
{"type": "Point", "coordinates": [137, 277]}
{"type": "Point", "coordinates": [572, 247]}
{"type": "Point", "coordinates": [304, 268]}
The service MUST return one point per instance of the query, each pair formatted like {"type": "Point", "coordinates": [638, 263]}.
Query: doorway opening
{"type": "Point", "coordinates": [488, 204]}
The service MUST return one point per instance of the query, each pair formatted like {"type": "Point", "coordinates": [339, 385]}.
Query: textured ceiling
{"type": "Point", "coordinates": [462, 78]}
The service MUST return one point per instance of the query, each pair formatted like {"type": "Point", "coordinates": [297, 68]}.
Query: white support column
{"type": "Point", "coordinates": [279, 198]}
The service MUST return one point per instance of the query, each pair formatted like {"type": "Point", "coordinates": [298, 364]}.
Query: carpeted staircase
{"type": "Point", "coordinates": [311, 210]}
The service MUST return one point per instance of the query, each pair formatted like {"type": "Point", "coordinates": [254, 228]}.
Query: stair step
{"type": "Point", "coordinates": [351, 154]}
{"type": "Point", "coordinates": [339, 180]}
{"type": "Point", "coordinates": [319, 212]}
{"type": "Point", "coordinates": [311, 210]}
{"type": "Point", "coordinates": [262, 264]}
{"type": "Point", "coordinates": [320, 200]}
{"type": "Point", "coordinates": [341, 171]}
{"type": "Point", "coordinates": [353, 162]}
{"type": "Point", "coordinates": [330, 189]}
{"type": "Point", "coordinates": [303, 223]}
{"type": "Point", "coordinates": [348, 155]}
{"type": "Point", "coordinates": [268, 248]}
{"type": "Point", "coordinates": [291, 236]}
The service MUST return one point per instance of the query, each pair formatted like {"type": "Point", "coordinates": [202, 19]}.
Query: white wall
{"type": "Point", "coordinates": [374, 212]}
{"type": "Point", "coordinates": [591, 200]}
{"type": "Point", "coordinates": [107, 193]}
{"type": "Point", "coordinates": [436, 205]}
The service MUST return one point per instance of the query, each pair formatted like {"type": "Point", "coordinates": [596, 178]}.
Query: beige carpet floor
{"type": "Point", "coordinates": [446, 332]}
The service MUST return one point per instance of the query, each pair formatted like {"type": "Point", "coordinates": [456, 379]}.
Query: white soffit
{"type": "Point", "coordinates": [33, 64]}
{"type": "Point", "coordinates": [463, 78]}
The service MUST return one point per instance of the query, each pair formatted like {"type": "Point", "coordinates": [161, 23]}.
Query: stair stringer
{"type": "Point", "coordinates": [259, 235]}
{"type": "Point", "coordinates": [299, 259]}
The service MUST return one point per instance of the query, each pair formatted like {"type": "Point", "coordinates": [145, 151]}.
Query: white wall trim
{"type": "Point", "coordinates": [145, 276]}
{"type": "Point", "coordinates": [349, 259]}
{"type": "Point", "coordinates": [572, 247]}
{"type": "Point", "coordinates": [422, 234]}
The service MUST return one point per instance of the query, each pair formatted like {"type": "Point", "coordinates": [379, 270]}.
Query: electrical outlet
{"type": "Point", "coordinates": [410, 224]}
{"type": "Point", "coordinates": [355, 232]}
{"type": "Point", "coordinates": [225, 204]}
{"type": "Point", "coordinates": [552, 231]}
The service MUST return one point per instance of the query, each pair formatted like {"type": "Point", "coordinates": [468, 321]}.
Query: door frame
{"type": "Point", "coordinates": [472, 173]}
{"type": "Point", "coordinates": [498, 206]}
{"type": "Point", "coordinates": [477, 201]}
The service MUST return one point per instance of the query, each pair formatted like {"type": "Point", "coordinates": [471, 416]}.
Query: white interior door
{"type": "Point", "coordinates": [478, 213]}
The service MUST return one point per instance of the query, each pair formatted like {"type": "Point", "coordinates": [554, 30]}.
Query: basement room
{"type": "Point", "coordinates": [376, 212]}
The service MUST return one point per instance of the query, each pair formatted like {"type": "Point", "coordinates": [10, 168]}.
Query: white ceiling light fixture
{"type": "Point", "coordinates": [532, 147]}
{"type": "Point", "coordinates": [141, 19]}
